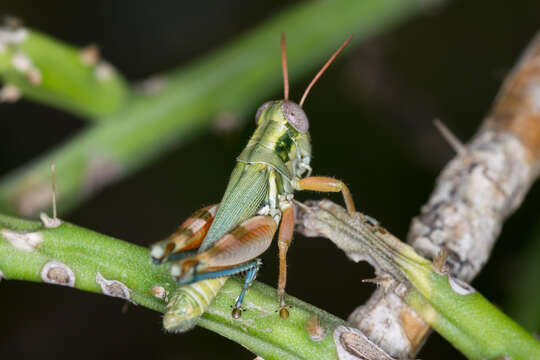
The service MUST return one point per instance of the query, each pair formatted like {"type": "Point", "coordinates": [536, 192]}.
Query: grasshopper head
{"type": "Point", "coordinates": [287, 111]}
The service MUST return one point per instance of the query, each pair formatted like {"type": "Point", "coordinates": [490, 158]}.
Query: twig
{"type": "Point", "coordinates": [57, 74]}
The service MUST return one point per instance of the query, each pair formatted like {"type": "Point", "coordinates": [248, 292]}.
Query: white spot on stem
{"type": "Point", "coordinates": [50, 223]}
{"type": "Point", "coordinates": [21, 62]}
{"type": "Point", "coordinates": [9, 93]}
{"type": "Point", "coordinates": [113, 288]}
{"type": "Point", "coordinates": [460, 287]}
{"type": "Point", "coordinates": [104, 71]}
{"type": "Point", "coordinates": [34, 76]}
{"type": "Point", "coordinates": [11, 37]}
{"type": "Point", "coordinates": [89, 55]}
{"type": "Point", "coordinates": [2, 275]}
{"type": "Point", "coordinates": [160, 293]}
{"type": "Point", "coordinates": [315, 330]}
{"type": "Point", "coordinates": [152, 85]}
{"type": "Point", "coordinates": [23, 241]}
{"type": "Point", "coordinates": [352, 344]}
{"type": "Point", "coordinates": [57, 273]}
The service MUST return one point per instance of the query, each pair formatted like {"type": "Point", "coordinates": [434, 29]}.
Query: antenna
{"type": "Point", "coordinates": [284, 65]}
{"type": "Point", "coordinates": [323, 70]}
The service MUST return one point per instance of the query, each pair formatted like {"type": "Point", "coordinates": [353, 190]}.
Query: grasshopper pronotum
{"type": "Point", "coordinates": [225, 239]}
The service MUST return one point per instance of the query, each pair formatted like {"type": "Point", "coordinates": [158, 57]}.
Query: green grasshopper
{"type": "Point", "coordinates": [225, 239]}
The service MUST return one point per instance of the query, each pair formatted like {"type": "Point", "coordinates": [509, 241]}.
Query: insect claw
{"type": "Point", "coordinates": [236, 313]}
{"type": "Point", "coordinates": [283, 312]}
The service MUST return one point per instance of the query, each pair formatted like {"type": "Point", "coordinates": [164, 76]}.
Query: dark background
{"type": "Point", "coordinates": [371, 125]}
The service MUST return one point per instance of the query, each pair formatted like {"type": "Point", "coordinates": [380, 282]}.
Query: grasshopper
{"type": "Point", "coordinates": [225, 239]}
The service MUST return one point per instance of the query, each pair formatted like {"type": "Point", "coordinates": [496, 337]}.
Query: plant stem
{"type": "Point", "coordinates": [233, 80]}
{"type": "Point", "coordinates": [51, 72]}
{"type": "Point", "coordinates": [125, 270]}
{"type": "Point", "coordinates": [525, 294]}
{"type": "Point", "coordinates": [459, 313]}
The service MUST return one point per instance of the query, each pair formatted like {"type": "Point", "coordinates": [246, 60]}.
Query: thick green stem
{"type": "Point", "coordinates": [459, 313]}
{"type": "Point", "coordinates": [234, 79]}
{"type": "Point", "coordinates": [73, 256]}
{"type": "Point", "coordinates": [48, 71]}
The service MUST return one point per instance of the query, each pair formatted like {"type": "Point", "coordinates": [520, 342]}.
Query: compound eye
{"type": "Point", "coordinates": [261, 109]}
{"type": "Point", "coordinates": [295, 116]}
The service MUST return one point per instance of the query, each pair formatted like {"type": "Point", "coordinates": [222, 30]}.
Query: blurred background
{"type": "Point", "coordinates": [371, 125]}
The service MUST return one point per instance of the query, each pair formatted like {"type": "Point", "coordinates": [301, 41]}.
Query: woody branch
{"type": "Point", "coordinates": [484, 184]}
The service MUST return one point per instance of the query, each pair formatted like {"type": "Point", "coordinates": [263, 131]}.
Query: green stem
{"type": "Point", "coordinates": [234, 79]}
{"type": "Point", "coordinates": [26, 247]}
{"type": "Point", "coordinates": [51, 72]}
{"type": "Point", "coordinates": [524, 300]}
{"type": "Point", "coordinates": [459, 313]}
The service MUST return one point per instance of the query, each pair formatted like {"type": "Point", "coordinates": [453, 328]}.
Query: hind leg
{"type": "Point", "coordinates": [187, 239]}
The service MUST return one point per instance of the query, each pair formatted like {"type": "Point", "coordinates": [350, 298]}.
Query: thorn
{"type": "Point", "coordinates": [454, 142]}
{"type": "Point", "coordinates": [385, 281]}
{"type": "Point", "coordinates": [439, 263]}
{"type": "Point", "coordinates": [53, 184]}
{"type": "Point", "coordinates": [316, 331]}
{"type": "Point", "coordinates": [48, 222]}
{"type": "Point", "coordinates": [377, 280]}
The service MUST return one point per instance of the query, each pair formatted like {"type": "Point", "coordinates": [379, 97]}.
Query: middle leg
{"type": "Point", "coordinates": [327, 184]}
{"type": "Point", "coordinates": [284, 241]}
